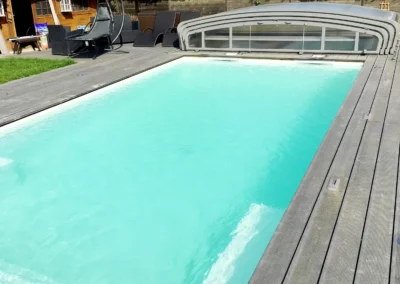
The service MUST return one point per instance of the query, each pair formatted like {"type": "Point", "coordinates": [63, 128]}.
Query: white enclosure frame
{"type": "Point", "coordinates": [368, 24]}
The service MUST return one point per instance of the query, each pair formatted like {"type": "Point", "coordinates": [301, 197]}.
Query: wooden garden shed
{"type": "Point", "coordinates": [18, 17]}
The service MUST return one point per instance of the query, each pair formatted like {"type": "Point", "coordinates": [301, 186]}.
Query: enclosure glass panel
{"type": "Point", "coordinates": [337, 39]}
{"type": "Point", "coordinates": [282, 36]}
{"type": "Point", "coordinates": [262, 31]}
{"type": "Point", "coordinates": [242, 44]}
{"type": "Point", "coordinates": [312, 38]}
{"type": "Point", "coordinates": [217, 44]}
{"type": "Point", "coordinates": [340, 34]}
{"type": "Point", "coordinates": [241, 37]}
{"type": "Point", "coordinates": [276, 37]}
{"type": "Point", "coordinates": [195, 40]}
{"type": "Point", "coordinates": [240, 32]}
{"type": "Point", "coordinates": [287, 44]}
{"type": "Point", "coordinates": [219, 34]}
{"type": "Point", "coordinates": [367, 42]}
{"type": "Point", "coordinates": [218, 38]}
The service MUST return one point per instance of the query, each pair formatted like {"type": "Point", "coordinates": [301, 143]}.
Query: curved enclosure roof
{"type": "Point", "coordinates": [328, 8]}
{"type": "Point", "coordinates": [295, 27]}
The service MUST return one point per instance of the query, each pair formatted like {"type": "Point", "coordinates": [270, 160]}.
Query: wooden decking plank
{"type": "Point", "coordinates": [76, 71]}
{"type": "Point", "coordinates": [395, 259]}
{"type": "Point", "coordinates": [277, 257]}
{"type": "Point", "coordinates": [380, 108]}
{"type": "Point", "coordinates": [342, 256]}
{"type": "Point", "coordinates": [343, 252]}
{"type": "Point", "coordinates": [374, 260]}
{"type": "Point", "coordinates": [309, 257]}
{"type": "Point", "coordinates": [376, 247]}
{"type": "Point", "coordinates": [393, 117]}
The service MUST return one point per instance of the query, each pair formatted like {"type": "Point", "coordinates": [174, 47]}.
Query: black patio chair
{"type": "Point", "coordinates": [99, 35]}
{"type": "Point", "coordinates": [164, 22]}
{"type": "Point", "coordinates": [56, 37]}
{"type": "Point", "coordinates": [129, 31]}
{"type": "Point", "coordinates": [170, 39]}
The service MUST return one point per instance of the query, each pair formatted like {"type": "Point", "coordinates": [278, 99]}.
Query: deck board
{"type": "Point", "coordinates": [343, 253]}
{"type": "Point", "coordinates": [374, 258]}
{"type": "Point", "coordinates": [341, 260]}
{"type": "Point", "coordinates": [393, 118]}
{"type": "Point", "coordinates": [395, 258]}
{"type": "Point", "coordinates": [313, 246]}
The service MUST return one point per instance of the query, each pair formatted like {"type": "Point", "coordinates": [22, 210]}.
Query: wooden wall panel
{"type": "Point", "coordinates": [74, 19]}
{"type": "Point", "coordinates": [6, 23]}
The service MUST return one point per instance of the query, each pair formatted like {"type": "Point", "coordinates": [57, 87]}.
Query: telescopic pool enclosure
{"type": "Point", "coordinates": [295, 27]}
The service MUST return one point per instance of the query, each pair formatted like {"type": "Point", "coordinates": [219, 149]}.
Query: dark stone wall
{"type": "Point", "coordinates": [205, 7]}
{"type": "Point", "coordinates": [236, 4]}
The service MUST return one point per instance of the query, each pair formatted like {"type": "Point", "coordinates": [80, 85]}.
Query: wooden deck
{"type": "Point", "coordinates": [345, 235]}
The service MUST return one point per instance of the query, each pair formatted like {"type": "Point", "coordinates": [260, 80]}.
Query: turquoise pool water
{"type": "Point", "coordinates": [179, 175]}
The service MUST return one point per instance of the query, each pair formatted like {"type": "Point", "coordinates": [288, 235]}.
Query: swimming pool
{"type": "Point", "coordinates": [178, 175]}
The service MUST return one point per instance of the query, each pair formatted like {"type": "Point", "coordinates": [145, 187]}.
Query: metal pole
{"type": "Point", "coordinates": [122, 22]}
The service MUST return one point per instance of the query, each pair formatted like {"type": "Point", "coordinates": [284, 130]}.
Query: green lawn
{"type": "Point", "coordinates": [14, 68]}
